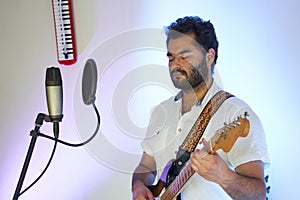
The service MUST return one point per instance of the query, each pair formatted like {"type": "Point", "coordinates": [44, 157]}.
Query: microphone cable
{"type": "Point", "coordinates": [43, 172]}
{"type": "Point", "coordinates": [56, 140]}
{"type": "Point", "coordinates": [79, 144]}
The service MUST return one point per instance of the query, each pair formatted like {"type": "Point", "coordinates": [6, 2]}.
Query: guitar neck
{"type": "Point", "coordinates": [173, 190]}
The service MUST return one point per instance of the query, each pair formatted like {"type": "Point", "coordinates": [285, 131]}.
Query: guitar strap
{"type": "Point", "coordinates": [192, 139]}
{"type": "Point", "coordinates": [196, 132]}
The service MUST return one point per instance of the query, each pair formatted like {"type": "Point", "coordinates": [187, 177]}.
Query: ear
{"type": "Point", "coordinates": [210, 56]}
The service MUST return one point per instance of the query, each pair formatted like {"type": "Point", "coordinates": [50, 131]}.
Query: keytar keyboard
{"type": "Point", "coordinates": [64, 31]}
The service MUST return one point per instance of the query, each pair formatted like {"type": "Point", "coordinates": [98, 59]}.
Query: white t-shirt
{"type": "Point", "coordinates": [168, 128]}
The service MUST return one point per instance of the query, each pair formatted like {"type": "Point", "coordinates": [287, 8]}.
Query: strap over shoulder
{"type": "Point", "coordinates": [196, 132]}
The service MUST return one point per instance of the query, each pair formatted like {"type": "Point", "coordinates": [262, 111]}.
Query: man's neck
{"type": "Point", "coordinates": [192, 96]}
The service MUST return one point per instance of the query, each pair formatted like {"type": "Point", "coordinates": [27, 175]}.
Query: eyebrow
{"type": "Point", "coordinates": [181, 52]}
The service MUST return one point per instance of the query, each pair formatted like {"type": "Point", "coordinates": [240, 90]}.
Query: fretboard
{"type": "Point", "coordinates": [173, 190]}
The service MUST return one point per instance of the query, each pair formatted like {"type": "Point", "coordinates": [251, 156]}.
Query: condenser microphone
{"type": "Point", "coordinates": [89, 82]}
{"type": "Point", "coordinates": [54, 94]}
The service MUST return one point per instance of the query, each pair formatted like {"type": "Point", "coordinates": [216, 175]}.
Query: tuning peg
{"type": "Point", "coordinates": [234, 124]}
{"type": "Point", "coordinates": [237, 123]}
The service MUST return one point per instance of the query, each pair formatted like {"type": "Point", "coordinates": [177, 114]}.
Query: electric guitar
{"type": "Point", "coordinates": [223, 138]}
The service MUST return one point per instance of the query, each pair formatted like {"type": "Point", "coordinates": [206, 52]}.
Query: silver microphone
{"type": "Point", "coordinates": [54, 94]}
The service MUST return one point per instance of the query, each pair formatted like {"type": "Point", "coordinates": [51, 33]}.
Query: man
{"type": "Point", "coordinates": [239, 174]}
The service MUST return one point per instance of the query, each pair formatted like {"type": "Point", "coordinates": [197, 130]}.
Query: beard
{"type": "Point", "coordinates": [196, 76]}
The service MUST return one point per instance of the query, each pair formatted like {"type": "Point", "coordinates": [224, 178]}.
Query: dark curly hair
{"type": "Point", "coordinates": [204, 31]}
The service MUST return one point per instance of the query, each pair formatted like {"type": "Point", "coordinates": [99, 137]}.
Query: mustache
{"type": "Point", "coordinates": [183, 72]}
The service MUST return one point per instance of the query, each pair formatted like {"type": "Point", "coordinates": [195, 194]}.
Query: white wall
{"type": "Point", "coordinates": [259, 47]}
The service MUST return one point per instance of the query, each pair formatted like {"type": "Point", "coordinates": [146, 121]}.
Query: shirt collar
{"type": "Point", "coordinates": [179, 96]}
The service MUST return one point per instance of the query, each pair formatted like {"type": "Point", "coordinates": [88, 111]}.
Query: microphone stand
{"type": "Point", "coordinates": [34, 134]}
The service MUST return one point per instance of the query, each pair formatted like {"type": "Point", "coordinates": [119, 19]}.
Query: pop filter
{"type": "Point", "coordinates": [89, 82]}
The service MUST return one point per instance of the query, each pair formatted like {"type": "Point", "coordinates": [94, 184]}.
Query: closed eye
{"type": "Point", "coordinates": [183, 55]}
{"type": "Point", "coordinates": [170, 56]}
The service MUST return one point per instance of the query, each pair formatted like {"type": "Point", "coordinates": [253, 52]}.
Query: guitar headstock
{"type": "Point", "coordinates": [225, 137]}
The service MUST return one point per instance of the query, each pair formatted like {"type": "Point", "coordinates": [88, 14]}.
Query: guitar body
{"type": "Point", "coordinates": [161, 184]}
{"type": "Point", "coordinates": [157, 189]}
